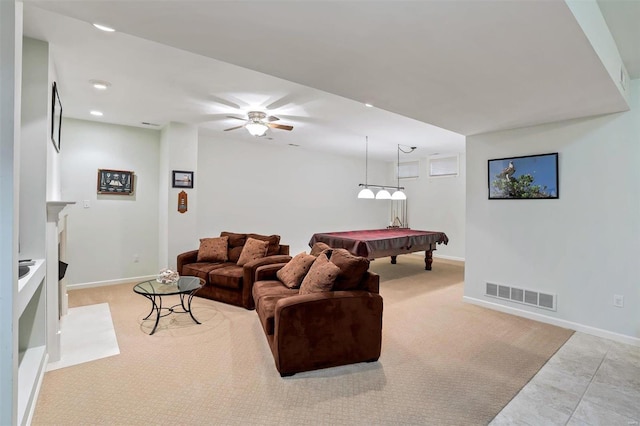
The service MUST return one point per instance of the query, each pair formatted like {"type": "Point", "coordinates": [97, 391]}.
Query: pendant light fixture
{"type": "Point", "coordinates": [366, 192]}
{"type": "Point", "coordinates": [398, 194]}
{"type": "Point", "coordinates": [383, 193]}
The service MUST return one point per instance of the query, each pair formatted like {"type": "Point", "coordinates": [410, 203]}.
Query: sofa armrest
{"type": "Point", "coordinates": [186, 257]}
{"type": "Point", "coordinates": [249, 275]}
{"type": "Point", "coordinates": [327, 329]}
{"type": "Point", "coordinates": [268, 272]}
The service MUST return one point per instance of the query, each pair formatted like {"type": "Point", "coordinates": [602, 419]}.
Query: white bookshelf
{"type": "Point", "coordinates": [28, 284]}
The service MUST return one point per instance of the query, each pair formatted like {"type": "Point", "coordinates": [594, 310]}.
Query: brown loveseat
{"type": "Point", "coordinates": [325, 328]}
{"type": "Point", "coordinates": [217, 263]}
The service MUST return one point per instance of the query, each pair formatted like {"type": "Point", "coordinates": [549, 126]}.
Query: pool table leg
{"type": "Point", "coordinates": [393, 259]}
{"type": "Point", "coordinates": [428, 259]}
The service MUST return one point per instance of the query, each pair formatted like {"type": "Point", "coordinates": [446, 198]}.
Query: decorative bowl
{"type": "Point", "coordinates": [167, 276]}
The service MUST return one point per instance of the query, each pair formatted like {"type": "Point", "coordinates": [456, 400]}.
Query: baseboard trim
{"type": "Point", "coordinates": [598, 332]}
{"type": "Point", "coordinates": [439, 256]}
{"type": "Point", "coordinates": [109, 282]}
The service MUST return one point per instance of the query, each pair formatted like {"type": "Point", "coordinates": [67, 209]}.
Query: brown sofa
{"type": "Point", "coordinates": [320, 329]}
{"type": "Point", "coordinates": [226, 281]}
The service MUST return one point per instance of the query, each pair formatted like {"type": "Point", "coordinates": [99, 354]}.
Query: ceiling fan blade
{"type": "Point", "coordinates": [272, 118]}
{"type": "Point", "coordinates": [279, 126]}
{"type": "Point", "coordinates": [233, 128]}
{"type": "Point", "coordinates": [236, 118]}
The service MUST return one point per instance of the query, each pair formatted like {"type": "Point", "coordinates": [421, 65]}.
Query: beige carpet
{"type": "Point", "coordinates": [443, 362]}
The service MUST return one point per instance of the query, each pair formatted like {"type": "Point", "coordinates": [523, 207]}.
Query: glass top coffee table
{"type": "Point", "coordinates": [185, 287]}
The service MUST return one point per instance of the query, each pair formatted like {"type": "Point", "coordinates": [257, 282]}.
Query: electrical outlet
{"type": "Point", "coordinates": [136, 258]}
{"type": "Point", "coordinates": [618, 300]}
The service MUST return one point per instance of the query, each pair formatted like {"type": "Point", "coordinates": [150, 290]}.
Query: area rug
{"type": "Point", "coordinates": [443, 362]}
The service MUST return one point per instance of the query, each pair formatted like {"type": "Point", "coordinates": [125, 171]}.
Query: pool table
{"type": "Point", "coordinates": [374, 243]}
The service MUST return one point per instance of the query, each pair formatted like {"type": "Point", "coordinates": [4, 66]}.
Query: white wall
{"type": "Point", "coordinates": [103, 239]}
{"type": "Point", "coordinates": [10, 106]}
{"type": "Point", "coordinates": [262, 187]}
{"type": "Point", "coordinates": [33, 148]}
{"type": "Point", "coordinates": [438, 204]}
{"type": "Point", "coordinates": [583, 246]}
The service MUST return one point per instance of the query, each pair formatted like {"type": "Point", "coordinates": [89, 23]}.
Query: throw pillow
{"type": "Point", "coordinates": [274, 242]}
{"type": "Point", "coordinates": [295, 270]}
{"type": "Point", "coordinates": [320, 277]}
{"type": "Point", "coordinates": [318, 248]}
{"type": "Point", "coordinates": [213, 249]}
{"type": "Point", "coordinates": [253, 249]}
{"type": "Point", "coordinates": [352, 268]}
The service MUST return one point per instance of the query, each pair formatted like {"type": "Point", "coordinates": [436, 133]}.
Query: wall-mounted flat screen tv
{"type": "Point", "coordinates": [524, 178]}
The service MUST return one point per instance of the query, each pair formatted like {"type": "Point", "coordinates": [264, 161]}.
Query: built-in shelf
{"type": "Point", "coordinates": [28, 284]}
{"type": "Point", "coordinates": [30, 372]}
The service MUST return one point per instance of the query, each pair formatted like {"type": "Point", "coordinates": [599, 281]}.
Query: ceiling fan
{"type": "Point", "coordinates": [258, 122]}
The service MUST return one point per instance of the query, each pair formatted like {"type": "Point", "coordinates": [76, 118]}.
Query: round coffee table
{"type": "Point", "coordinates": [185, 287]}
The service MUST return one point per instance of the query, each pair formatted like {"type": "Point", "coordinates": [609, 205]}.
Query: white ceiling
{"type": "Point", "coordinates": [466, 66]}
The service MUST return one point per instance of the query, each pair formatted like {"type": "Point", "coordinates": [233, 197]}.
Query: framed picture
{"type": "Point", "coordinates": [56, 117]}
{"type": "Point", "coordinates": [182, 179]}
{"type": "Point", "coordinates": [118, 182]}
{"type": "Point", "coordinates": [524, 178]}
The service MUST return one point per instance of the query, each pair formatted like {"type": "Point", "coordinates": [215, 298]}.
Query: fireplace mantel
{"type": "Point", "coordinates": [54, 251]}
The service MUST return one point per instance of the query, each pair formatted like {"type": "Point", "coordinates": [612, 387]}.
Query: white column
{"type": "Point", "coordinates": [178, 231]}
{"type": "Point", "coordinates": [52, 284]}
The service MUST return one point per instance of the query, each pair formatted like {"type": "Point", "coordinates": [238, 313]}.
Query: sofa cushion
{"type": "Point", "coordinates": [213, 249]}
{"type": "Point", "coordinates": [352, 268]}
{"type": "Point", "coordinates": [270, 288]}
{"type": "Point", "coordinates": [234, 253]}
{"type": "Point", "coordinates": [274, 242]}
{"type": "Point", "coordinates": [229, 276]}
{"type": "Point", "coordinates": [200, 270]}
{"type": "Point", "coordinates": [295, 270]}
{"type": "Point", "coordinates": [319, 247]}
{"type": "Point", "coordinates": [253, 249]}
{"type": "Point", "coordinates": [235, 240]}
{"type": "Point", "coordinates": [320, 277]}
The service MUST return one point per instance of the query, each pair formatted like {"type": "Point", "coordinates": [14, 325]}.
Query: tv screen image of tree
{"type": "Point", "coordinates": [528, 177]}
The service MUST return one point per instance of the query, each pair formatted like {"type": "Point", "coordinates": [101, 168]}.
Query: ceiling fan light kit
{"type": "Point", "coordinates": [258, 123]}
{"type": "Point", "coordinates": [256, 129]}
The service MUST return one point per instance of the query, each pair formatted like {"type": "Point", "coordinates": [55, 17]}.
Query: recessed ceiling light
{"type": "Point", "coordinates": [104, 28]}
{"type": "Point", "coordinates": [100, 85]}
{"type": "Point", "coordinates": [368, 105]}
{"type": "Point", "coordinates": [96, 113]}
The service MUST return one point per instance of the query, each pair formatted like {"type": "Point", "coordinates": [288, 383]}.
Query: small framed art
{"type": "Point", "coordinates": [524, 178]}
{"type": "Point", "coordinates": [182, 179]}
{"type": "Point", "coordinates": [118, 182]}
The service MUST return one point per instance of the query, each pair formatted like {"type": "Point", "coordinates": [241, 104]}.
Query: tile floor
{"type": "Point", "coordinates": [87, 335]}
{"type": "Point", "coordinates": [589, 381]}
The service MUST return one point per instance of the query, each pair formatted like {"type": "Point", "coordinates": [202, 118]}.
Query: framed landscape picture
{"type": "Point", "coordinates": [182, 179]}
{"type": "Point", "coordinates": [524, 178]}
{"type": "Point", "coordinates": [117, 182]}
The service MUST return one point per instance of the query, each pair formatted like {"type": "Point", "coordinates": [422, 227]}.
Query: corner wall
{"type": "Point", "coordinates": [584, 246]}
{"type": "Point", "coordinates": [104, 239]}
{"type": "Point", "coordinates": [438, 204]}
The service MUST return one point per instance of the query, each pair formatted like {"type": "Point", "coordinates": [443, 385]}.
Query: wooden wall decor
{"type": "Point", "coordinates": [182, 202]}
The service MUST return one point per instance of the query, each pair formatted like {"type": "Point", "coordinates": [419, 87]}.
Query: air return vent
{"type": "Point", "coordinates": [520, 295]}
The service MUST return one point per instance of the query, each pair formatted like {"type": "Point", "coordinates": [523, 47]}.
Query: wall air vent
{"type": "Point", "coordinates": [520, 295]}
